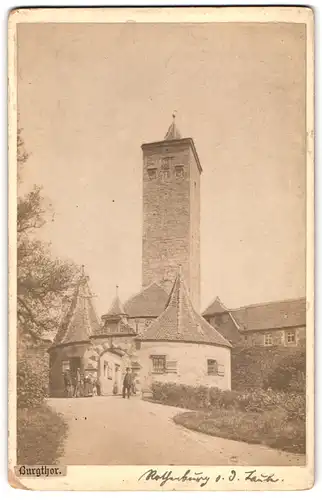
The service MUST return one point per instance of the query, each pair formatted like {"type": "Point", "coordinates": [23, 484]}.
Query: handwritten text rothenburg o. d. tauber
{"type": "Point", "coordinates": [202, 480]}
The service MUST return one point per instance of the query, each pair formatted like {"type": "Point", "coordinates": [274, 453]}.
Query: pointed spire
{"type": "Point", "coordinates": [173, 131]}
{"type": "Point", "coordinates": [79, 318]}
{"type": "Point", "coordinates": [179, 322]}
{"type": "Point", "coordinates": [116, 308]}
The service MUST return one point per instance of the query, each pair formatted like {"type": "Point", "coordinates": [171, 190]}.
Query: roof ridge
{"type": "Point", "coordinates": [266, 303]}
{"type": "Point", "coordinates": [143, 289]}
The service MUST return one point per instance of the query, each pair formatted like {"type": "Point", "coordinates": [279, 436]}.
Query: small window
{"type": "Point", "coordinates": [179, 171]}
{"type": "Point", "coordinates": [158, 364]}
{"type": "Point", "coordinates": [65, 366]}
{"type": "Point", "coordinates": [212, 367]}
{"type": "Point", "coordinates": [152, 173]}
{"type": "Point", "coordinates": [166, 162]}
{"type": "Point", "coordinates": [165, 174]}
{"type": "Point", "coordinates": [291, 337]}
{"type": "Point", "coordinates": [268, 339]}
{"type": "Point", "coordinates": [147, 323]}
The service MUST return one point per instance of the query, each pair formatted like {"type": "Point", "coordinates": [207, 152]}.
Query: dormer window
{"type": "Point", "coordinates": [179, 171]}
{"type": "Point", "coordinates": [152, 172]}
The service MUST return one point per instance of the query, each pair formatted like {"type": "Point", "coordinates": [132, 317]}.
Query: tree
{"type": "Point", "coordinates": [42, 281]}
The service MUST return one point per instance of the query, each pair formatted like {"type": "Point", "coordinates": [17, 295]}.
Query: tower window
{"type": "Point", "coordinates": [166, 162]}
{"type": "Point", "coordinates": [179, 171]}
{"type": "Point", "coordinates": [165, 174]}
{"type": "Point", "coordinates": [152, 173]}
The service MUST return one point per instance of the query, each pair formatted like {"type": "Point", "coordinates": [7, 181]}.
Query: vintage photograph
{"type": "Point", "coordinates": [161, 300]}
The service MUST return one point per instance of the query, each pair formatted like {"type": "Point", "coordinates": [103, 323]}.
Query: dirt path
{"type": "Point", "coordinates": [113, 431]}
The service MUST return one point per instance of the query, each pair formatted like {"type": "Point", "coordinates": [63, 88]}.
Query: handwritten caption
{"type": "Point", "coordinates": [251, 476]}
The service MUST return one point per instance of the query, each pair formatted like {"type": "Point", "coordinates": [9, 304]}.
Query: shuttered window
{"type": "Point", "coordinates": [212, 367]}
{"type": "Point", "coordinates": [171, 366]}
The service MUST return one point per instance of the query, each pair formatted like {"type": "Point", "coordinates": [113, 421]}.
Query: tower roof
{"type": "Point", "coordinates": [216, 307]}
{"type": "Point", "coordinates": [116, 308]}
{"type": "Point", "coordinates": [179, 322]}
{"type": "Point", "coordinates": [173, 131]}
{"type": "Point", "coordinates": [80, 321]}
{"type": "Point", "coordinates": [150, 302]}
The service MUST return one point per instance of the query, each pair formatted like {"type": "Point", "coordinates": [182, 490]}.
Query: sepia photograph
{"type": "Point", "coordinates": [162, 285]}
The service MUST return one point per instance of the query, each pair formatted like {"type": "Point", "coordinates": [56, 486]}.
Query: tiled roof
{"type": "Point", "coordinates": [149, 303]}
{"type": "Point", "coordinates": [283, 314]}
{"type": "Point", "coordinates": [116, 308]}
{"type": "Point", "coordinates": [80, 321]}
{"type": "Point", "coordinates": [179, 322]}
{"type": "Point", "coordinates": [216, 307]}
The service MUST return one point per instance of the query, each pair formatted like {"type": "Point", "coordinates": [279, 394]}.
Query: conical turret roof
{"type": "Point", "coordinates": [180, 322]}
{"type": "Point", "coordinates": [116, 308]}
{"type": "Point", "coordinates": [80, 321]}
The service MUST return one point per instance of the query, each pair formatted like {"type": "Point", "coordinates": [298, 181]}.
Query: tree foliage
{"type": "Point", "coordinates": [42, 280]}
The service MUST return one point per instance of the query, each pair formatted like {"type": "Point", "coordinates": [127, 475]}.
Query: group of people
{"type": "Point", "coordinates": [80, 386]}
{"type": "Point", "coordinates": [84, 386]}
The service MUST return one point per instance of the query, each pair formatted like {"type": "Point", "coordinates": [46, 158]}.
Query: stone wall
{"type": "Point", "coordinates": [279, 337]}
{"type": "Point", "coordinates": [171, 206]}
{"type": "Point", "coordinates": [187, 362]}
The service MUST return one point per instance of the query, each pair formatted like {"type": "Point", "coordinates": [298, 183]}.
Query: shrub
{"type": "Point", "coordinates": [251, 367]}
{"type": "Point", "coordinates": [289, 375]}
{"type": "Point", "coordinates": [30, 387]}
{"type": "Point", "coordinates": [255, 401]}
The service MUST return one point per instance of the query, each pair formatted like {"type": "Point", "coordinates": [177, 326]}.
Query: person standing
{"type": "Point", "coordinates": [68, 384]}
{"type": "Point", "coordinates": [127, 384]}
{"type": "Point", "coordinates": [77, 384]}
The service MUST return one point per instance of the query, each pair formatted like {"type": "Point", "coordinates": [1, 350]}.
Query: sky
{"type": "Point", "coordinates": [90, 94]}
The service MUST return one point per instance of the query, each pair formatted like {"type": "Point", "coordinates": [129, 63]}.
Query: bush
{"type": "Point", "coordinates": [251, 367]}
{"type": "Point", "coordinates": [30, 387]}
{"type": "Point", "coordinates": [289, 375]}
{"type": "Point", "coordinates": [255, 401]}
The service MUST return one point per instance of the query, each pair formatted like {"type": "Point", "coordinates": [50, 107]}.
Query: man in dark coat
{"type": "Point", "coordinates": [68, 384]}
{"type": "Point", "coordinates": [127, 384]}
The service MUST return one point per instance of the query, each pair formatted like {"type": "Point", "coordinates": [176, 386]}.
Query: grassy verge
{"type": "Point", "coordinates": [40, 436]}
{"type": "Point", "coordinates": [273, 428]}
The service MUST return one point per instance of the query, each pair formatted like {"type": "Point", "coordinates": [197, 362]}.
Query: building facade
{"type": "Point", "coordinates": [280, 323]}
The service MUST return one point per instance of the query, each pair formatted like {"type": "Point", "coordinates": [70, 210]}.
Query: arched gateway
{"type": "Point", "coordinates": [102, 352]}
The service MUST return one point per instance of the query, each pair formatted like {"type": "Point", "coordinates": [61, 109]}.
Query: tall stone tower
{"type": "Point", "coordinates": [171, 212]}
